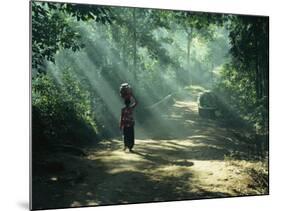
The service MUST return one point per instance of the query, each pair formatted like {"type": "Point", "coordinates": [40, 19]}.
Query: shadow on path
{"type": "Point", "coordinates": [177, 156]}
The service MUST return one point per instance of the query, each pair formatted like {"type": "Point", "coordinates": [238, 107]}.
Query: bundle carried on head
{"type": "Point", "coordinates": [125, 91]}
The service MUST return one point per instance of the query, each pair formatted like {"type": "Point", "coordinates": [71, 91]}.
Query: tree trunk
{"type": "Point", "coordinates": [260, 74]}
{"type": "Point", "coordinates": [257, 66]}
{"type": "Point", "coordinates": [124, 54]}
{"type": "Point", "coordinates": [135, 45]}
{"type": "Point", "coordinates": [189, 40]}
{"type": "Point", "coordinates": [212, 74]}
{"type": "Point", "coordinates": [266, 63]}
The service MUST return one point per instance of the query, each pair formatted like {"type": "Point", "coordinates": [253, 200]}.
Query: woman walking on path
{"type": "Point", "coordinates": [127, 123]}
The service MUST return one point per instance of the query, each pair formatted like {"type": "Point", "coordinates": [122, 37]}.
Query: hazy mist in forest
{"type": "Point", "coordinates": [201, 122]}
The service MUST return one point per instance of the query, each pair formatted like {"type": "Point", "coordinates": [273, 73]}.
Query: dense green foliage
{"type": "Point", "coordinates": [245, 77]}
{"type": "Point", "coordinates": [81, 54]}
{"type": "Point", "coordinates": [52, 30]}
{"type": "Point", "coordinates": [61, 113]}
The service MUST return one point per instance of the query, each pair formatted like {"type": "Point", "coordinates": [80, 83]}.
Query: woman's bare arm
{"type": "Point", "coordinates": [121, 120]}
{"type": "Point", "coordinates": [135, 102]}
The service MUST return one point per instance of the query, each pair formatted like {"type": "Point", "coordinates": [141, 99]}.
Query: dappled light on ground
{"type": "Point", "coordinates": [190, 163]}
{"type": "Point", "coordinates": [201, 120]}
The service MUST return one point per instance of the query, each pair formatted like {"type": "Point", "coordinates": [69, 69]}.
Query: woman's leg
{"type": "Point", "coordinates": [126, 137]}
{"type": "Point", "coordinates": [131, 137]}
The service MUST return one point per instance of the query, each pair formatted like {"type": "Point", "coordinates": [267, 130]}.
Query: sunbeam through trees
{"type": "Point", "coordinates": [201, 122]}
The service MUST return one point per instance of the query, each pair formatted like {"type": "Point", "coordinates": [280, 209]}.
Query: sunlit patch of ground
{"type": "Point", "coordinates": [189, 164]}
{"type": "Point", "coordinates": [220, 176]}
{"type": "Point", "coordinates": [186, 178]}
{"type": "Point", "coordinates": [187, 105]}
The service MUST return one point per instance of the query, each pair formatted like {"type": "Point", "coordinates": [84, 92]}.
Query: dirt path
{"type": "Point", "coordinates": [191, 162]}
{"type": "Point", "coordinates": [184, 158]}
